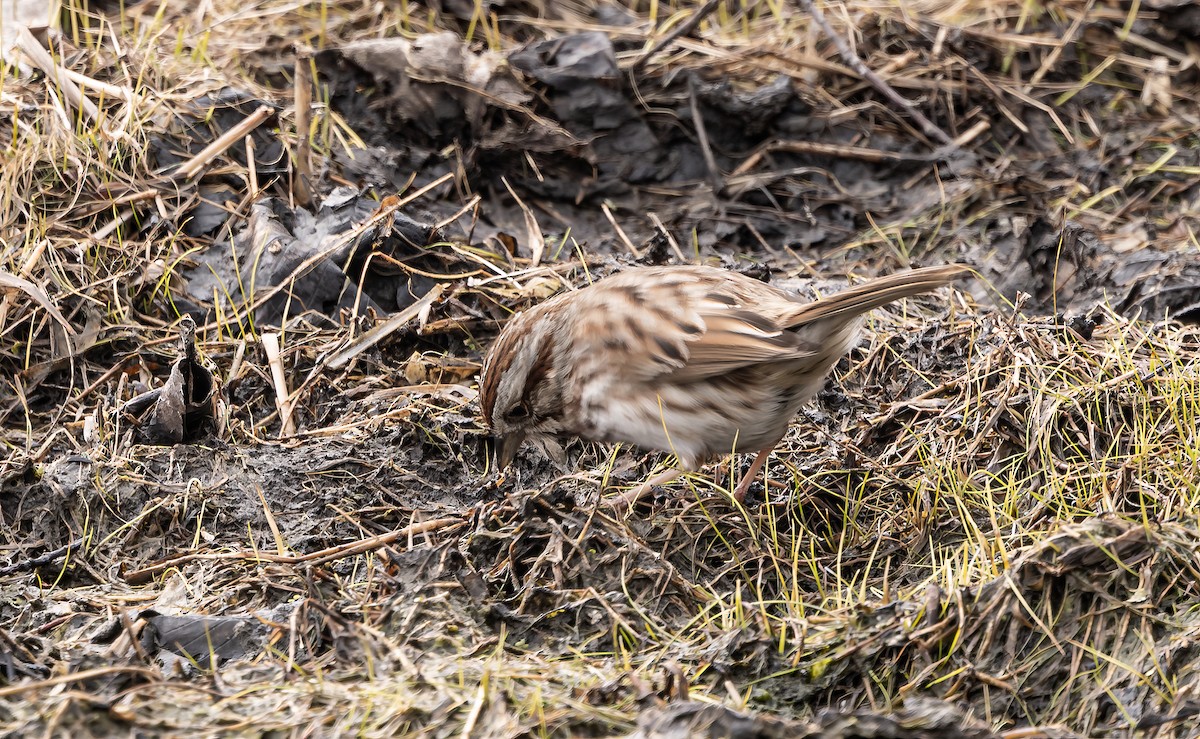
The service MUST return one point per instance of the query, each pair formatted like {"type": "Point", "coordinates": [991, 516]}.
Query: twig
{"type": "Point", "coordinates": [474, 201]}
{"type": "Point", "coordinates": [680, 30]}
{"type": "Point", "coordinates": [841, 151]}
{"type": "Point", "coordinates": [43, 61]}
{"type": "Point", "coordinates": [283, 400]}
{"type": "Point", "coordinates": [192, 167]}
{"type": "Point", "coordinates": [620, 232]}
{"type": "Point", "coordinates": [280, 544]}
{"type": "Point", "coordinates": [972, 133]}
{"type": "Point", "coordinates": [383, 330]}
{"type": "Point", "coordinates": [313, 559]}
{"type": "Point", "coordinates": [70, 677]}
{"type": "Point", "coordinates": [302, 97]}
{"type": "Point", "coordinates": [104, 88]}
{"type": "Point", "coordinates": [670, 238]}
{"type": "Point", "coordinates": [26, 565]}
{"type": "Point", "coordinates": [851, 59]}
{"type": "Point", "coordinates": [107, 229]}
{"type": "Point", "coordinates": [253, 192]}
{"type": "Point", "coordinates": [714, 174]}
{"type": "Point", "coordinates": [1068, 39]}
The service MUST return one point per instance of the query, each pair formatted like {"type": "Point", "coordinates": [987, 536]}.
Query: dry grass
{"type": "Point", "coordinates": [988, 523]}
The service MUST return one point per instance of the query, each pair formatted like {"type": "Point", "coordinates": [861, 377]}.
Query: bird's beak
{"type": "Point", "coordinates": [507, 446]}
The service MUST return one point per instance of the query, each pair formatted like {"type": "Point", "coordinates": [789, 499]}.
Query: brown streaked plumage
{"type": "Point", "coordinates": [693, 360]}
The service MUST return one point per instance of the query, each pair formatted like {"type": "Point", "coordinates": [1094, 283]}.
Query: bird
{"type": "Point", "coordinates": [694, 360]}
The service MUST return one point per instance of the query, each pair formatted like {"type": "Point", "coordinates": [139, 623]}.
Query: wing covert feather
{"type": "Point", "coordinates": [690, 323]}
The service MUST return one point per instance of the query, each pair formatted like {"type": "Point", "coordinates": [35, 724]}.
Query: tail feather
{"type": "Point", "coordinates": [880, 291]}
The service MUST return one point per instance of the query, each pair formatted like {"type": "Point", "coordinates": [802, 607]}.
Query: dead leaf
{"type": "Point", "coordinates": [422, 369]}
{"type": "Point", "coordinates": [184, 406]}
{"type": "Point", "coordinates": [533, 232]}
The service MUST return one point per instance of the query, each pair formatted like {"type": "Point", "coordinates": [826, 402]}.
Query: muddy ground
{"type": "Point", "coordinates": [984, 525]}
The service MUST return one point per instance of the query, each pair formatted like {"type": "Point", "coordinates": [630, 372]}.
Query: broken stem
{"type": "Point", "coordinates": [302, 102]}
{"type": "Point", "coordinates": [312, 559]}
{"type": "Point", "coordinates": [283, 400]}
{"type": "Point", "coordinates": [192, 167]}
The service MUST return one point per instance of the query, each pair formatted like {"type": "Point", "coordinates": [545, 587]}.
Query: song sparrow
{"type": "Point", "coordinates": [693, 360]}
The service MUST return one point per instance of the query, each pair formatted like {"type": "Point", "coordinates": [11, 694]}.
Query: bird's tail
{"type": "Point", "coordinates": [859, 299]}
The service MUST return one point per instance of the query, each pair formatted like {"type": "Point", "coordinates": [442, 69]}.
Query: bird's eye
{"type": "Point", "coordinates": [518, 412]}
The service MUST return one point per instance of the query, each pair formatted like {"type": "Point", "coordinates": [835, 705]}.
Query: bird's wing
{"type": "Point", "coordinates": [676, 324]}
{"type": "Point", "coordinates": [692, 323]}
{"type": "Point", "coordinates": [737, 337]}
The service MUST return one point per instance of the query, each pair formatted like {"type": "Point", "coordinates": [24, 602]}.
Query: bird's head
{"type": "Point", "coordinates": [520, 391]}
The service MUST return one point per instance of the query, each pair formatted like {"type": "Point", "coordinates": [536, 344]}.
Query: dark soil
{"type": "Point", "coordinates": [973, 529]}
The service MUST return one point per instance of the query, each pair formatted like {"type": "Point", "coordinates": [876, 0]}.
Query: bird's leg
{"type": "Point", "coordinates": [623, 502]}
{"type": "Point", "coordinates": [740, 494]}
